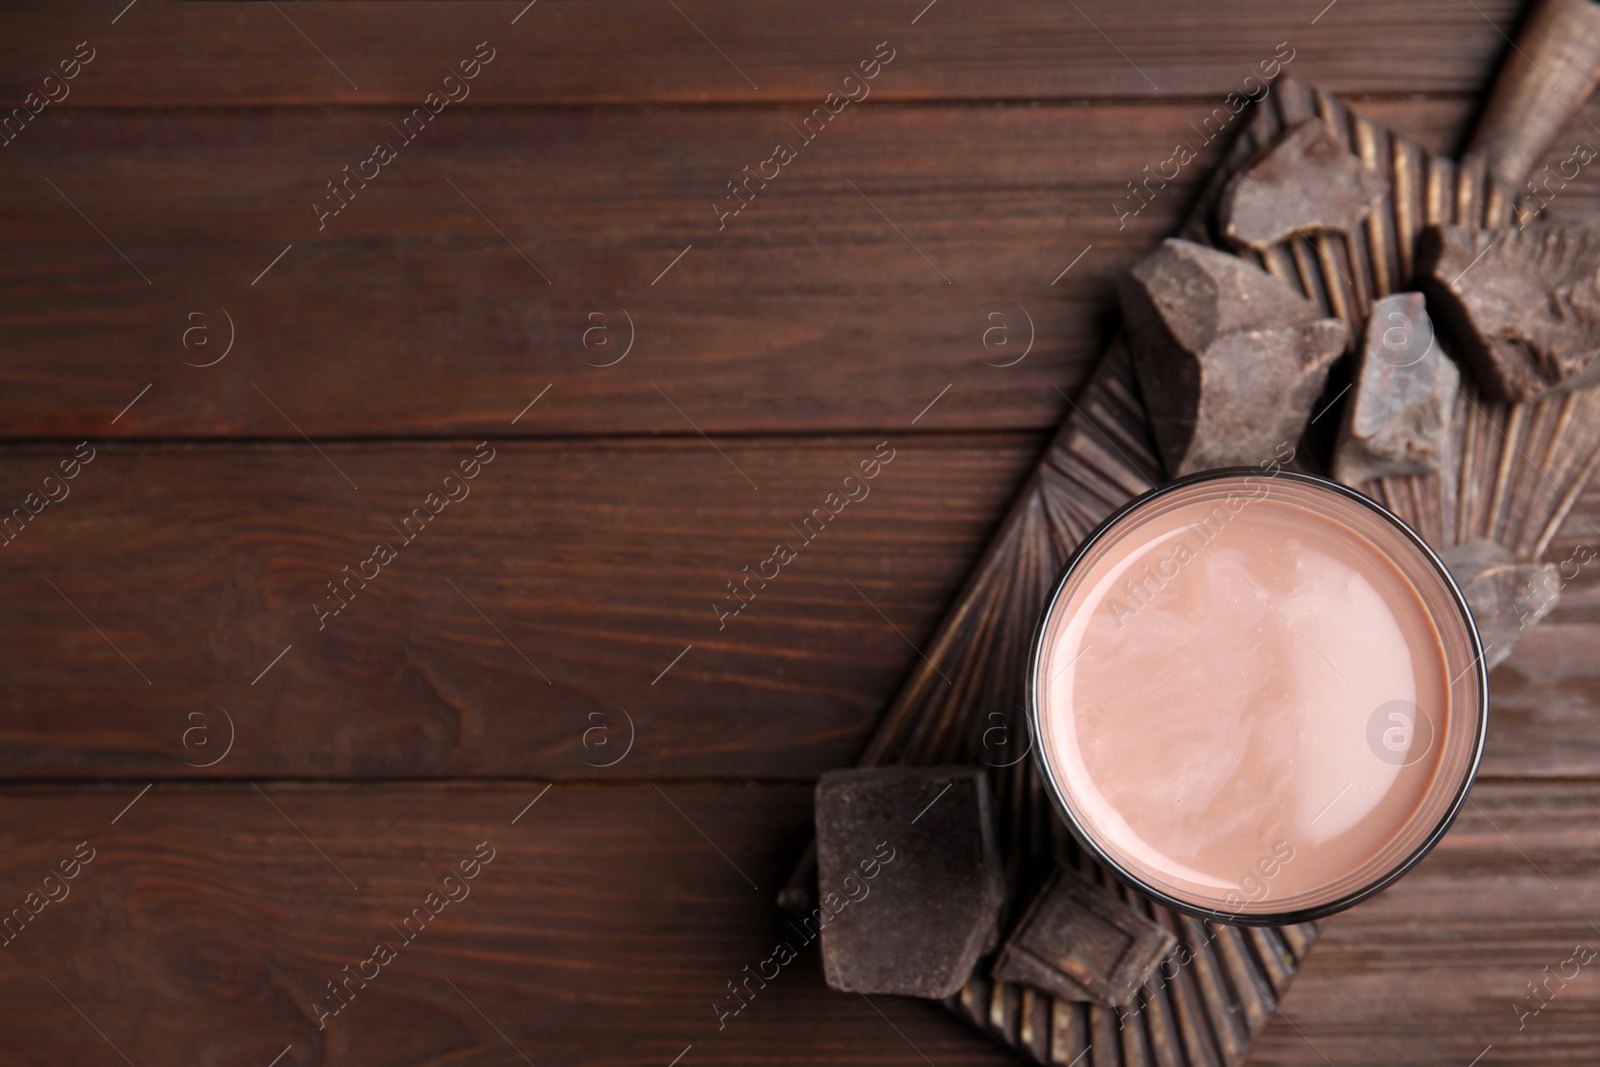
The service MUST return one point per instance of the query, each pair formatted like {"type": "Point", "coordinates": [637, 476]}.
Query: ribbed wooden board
{"type": "Point", "coordinates": [1514, 472]}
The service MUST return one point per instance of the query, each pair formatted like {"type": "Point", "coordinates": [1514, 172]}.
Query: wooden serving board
{"type": "Point", "coordinates": [1514, 472]}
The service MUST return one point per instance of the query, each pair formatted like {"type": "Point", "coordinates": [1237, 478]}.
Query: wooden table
{"type": "Point", "coordinates": [536, 671]}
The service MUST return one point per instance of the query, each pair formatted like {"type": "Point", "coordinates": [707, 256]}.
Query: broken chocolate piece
{"type": "Point", "coordinates": [1397, 420]}
{"type": "Point", "coordinates": [1303, 182]}
{"type": "Point", "coordinates": [1078, 941]}
{"type": "Point", "coordinates": [1521, 306]}
{"type": "Point", "coordinates": [1506, 596]}
{"type": "Point", "coordinates": [909, 878]}
{"type": "Point", "coordinates": [1229, 359]}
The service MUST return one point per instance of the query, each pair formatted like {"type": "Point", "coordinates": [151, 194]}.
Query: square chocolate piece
{"type": "Point", "coordinates": [909, 882]}
{"type": "Point", "coordinates": [1078, 941]}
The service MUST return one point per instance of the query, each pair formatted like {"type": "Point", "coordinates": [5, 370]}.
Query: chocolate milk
{"type": "Point", "coordinates": [1244, 699]}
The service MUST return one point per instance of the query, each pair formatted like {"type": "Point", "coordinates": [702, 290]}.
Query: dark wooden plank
{"type": "Point", "coordinates": [1544, 698]}
{"type": "Point", "coordinates": [603, 930]}
{"type": "Point", "coordinates": [1434, 969]}
{"type": "Point", "coordinates": [560, 51]}
{"type": "Point", "coordinates": [408, 314]}
{"type": "Point", "coordinates": [1543, 703]}
{"type": "Point", "coordinates": [599, 562]}
{"type": "Point", "coordinates": [606, 927]}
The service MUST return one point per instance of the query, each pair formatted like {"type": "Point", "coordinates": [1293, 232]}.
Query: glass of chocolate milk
{"type": "Point", "coordinates": [1257, 699]}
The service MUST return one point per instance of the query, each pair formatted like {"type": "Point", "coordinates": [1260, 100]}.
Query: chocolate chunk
{"type": "Point", "coordinates": [1078, 941]}
{"type": "Point", "coordinates": [1506, 596]}
{"type": "Point", "coordinates": [909, 878]}
{"type": "Point", "coordinates": [1303, 182]}
{"type": "Point", "coordinates": [1397, 420]}
{"type": "Point", "coordinates": [1521, 306]}
{"type": "Point", "coordinates": [1229, 359]}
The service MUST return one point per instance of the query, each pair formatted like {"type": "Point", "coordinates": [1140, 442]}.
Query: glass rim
{"type": "Point", "coordinates": [1057, 794]}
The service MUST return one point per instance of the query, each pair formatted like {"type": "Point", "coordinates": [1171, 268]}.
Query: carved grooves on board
{"type": "Point", "coordinates": [1513, 474]}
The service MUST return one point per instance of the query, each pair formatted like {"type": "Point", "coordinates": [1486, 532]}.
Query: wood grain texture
{"type": "Point", "coordinates": [599, 560]}
{"type": "Point", "coordinates": [1434, 969]}
{"type": "Point", "coordinates": [1533, 101]}
{"type": "Point", "coordinates": [1543, 699]}
{"type": "Point", "coordinates": [410, 315]}
{"type": "Point", "coordinates": [205, 925]}
{"type": "Point", "coordinates": [220, 54]}
{"type": "Point", "coordinates": [206, 928]}
{"type": "Point", "coordinates": [599, 563]}
{"type": "Point", "coordinates": [196, 139]}
{"type": "Point", "coordinates": [1103, 456]}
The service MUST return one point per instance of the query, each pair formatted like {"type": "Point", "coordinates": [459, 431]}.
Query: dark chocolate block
{"type": "Point", "coordinates": [1521, 306]}
{"type": "Point", "coordinates": [1229, 359]}
{"type": "Point", "coordinates": [1078, 941]}
{"type": "Point", "coordinates": [1397, 418]}
{"type": "Point", "coordinates": [1303, 182]}
{"type": "Point", "coordinates": [909, 878]}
